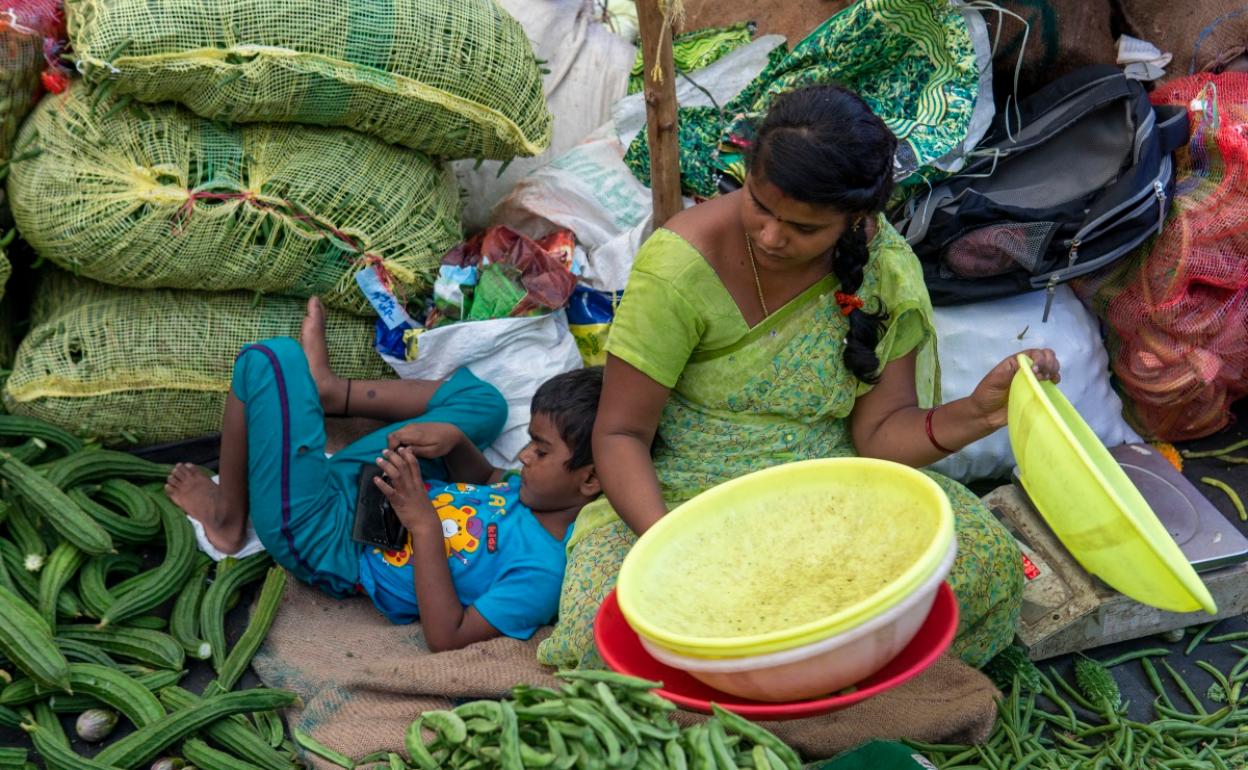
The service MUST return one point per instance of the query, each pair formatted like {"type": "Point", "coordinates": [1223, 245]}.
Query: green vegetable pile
{"type": "Point", "coordinates": [1086, 725]}
{"type": "Point", "coordinates": [596, 719]}
{"type": "Point", "coordinates": [85, 629]}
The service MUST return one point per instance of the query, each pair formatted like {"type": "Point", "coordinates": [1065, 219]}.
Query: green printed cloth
{"type": "Point", "coordinates": [912, 61]}
{"type": "Point", "coordinates": [691, 51]}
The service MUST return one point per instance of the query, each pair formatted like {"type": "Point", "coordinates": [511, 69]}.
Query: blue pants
{"type": "Point", "coordinates": [302, 504]}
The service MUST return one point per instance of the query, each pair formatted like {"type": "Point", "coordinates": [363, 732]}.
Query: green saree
{"type": "Point", "coordinates": [743, 399]}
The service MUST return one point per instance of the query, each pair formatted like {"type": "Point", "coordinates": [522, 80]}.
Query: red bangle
{"type": "Point", "coordinates": [927, 424]}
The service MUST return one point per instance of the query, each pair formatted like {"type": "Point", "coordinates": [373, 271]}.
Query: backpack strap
{"type": "Point", "coordinates": [1172, 127]}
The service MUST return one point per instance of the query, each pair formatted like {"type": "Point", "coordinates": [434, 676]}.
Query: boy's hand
{"type": "Point", "coordinates": [430, 440]}
{"type": "Point", "coordinates": [405, 489]}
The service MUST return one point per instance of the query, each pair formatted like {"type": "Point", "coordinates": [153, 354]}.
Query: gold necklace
{"type": "Point", "coordinates": [749, 245]}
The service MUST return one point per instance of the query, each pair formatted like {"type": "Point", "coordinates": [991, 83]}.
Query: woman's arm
{"type": "Point", "coordinates": [888, 424]}
{"type": "Point", "coordinates": [628, 416]}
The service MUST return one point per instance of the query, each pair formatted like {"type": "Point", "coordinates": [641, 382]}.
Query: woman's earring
{"type": "Point", "coordinates": [857, 224]}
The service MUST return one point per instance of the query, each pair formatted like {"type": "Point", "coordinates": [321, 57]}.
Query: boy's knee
{"type": "Point", "coordinates": [495, 406]}
{"type": "Point", "coordinates": [488, 404]}
{"type": "Point", "coordinates": [259, 364]}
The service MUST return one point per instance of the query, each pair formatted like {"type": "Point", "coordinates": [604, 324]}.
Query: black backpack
{"type": "Point", "coordinates": [1086, 178]}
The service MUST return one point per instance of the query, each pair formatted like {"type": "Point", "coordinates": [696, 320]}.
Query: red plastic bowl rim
{"type": "Point", "coordinates": [799, 709]}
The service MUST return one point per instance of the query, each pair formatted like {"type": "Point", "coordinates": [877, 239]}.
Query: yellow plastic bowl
{"type": "Point", "coordinates": [1091, 504]}
{"type": "Point", "coordinates": [785, 557]}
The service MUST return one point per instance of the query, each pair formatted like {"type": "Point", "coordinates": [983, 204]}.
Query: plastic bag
{"type": "Point", "coordinates": [498, 293]}
{"type": "Point", "coordinates": [590, 191]}
{"type": "Point", "coordinates": [590, 313]}
{"type": "Point", "coordinates": [515, 355]}
{"type": "Point", "coordinates": [499, 273]}
{"type": "Point", "coordinates": [453, 292]}
{"type": "Point", "coordinates": [32, 35]}
{"type": "Point", "coordinates": [589, 69]}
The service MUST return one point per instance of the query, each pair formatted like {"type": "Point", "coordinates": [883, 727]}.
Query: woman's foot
{"type": "Point", "coordinates": [198, 496]}
{"type": "Point", "coordinates": [330, 388]}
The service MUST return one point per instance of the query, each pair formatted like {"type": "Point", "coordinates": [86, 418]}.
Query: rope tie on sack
{"type": "Point", "coordinates": [673, 13]}
{"type": "Point", "coordinates": [291, 210]}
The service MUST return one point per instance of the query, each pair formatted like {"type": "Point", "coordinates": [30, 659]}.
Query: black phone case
{"type": "Point", "coordinates": [375, 521]}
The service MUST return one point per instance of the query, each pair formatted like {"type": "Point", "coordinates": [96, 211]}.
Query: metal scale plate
{"type": "Point", "coordinates": [1065, 609]}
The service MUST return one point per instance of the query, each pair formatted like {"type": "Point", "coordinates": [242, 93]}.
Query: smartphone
{"type": "Point", "coordinates": [376, 523]}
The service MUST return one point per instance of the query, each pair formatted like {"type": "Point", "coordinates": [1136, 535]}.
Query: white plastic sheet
{"type": "Point", "coordinates": [589, 70]}
{"type": "Point", "coordinates": [974, 338]}
{"type": "Point", "coordinates": [515, 355]}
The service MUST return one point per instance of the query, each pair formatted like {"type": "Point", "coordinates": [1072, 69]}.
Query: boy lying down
{"type": "Point", "coordinates": [484, 555]}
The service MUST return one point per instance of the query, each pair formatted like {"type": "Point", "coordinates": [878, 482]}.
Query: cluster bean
{"type": "Point", "coordinates": [1062, 725]}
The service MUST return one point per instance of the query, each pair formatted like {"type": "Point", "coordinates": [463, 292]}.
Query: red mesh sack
{"type": "Point", "coordinates": [31, 36]}
{"type": "Point", "coordinates": [1176, 312]}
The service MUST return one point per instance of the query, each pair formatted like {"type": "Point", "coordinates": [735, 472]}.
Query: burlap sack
{"type": "Point", "coordinates": [1202, 34]}
{"type": "Point", "coordinates": [794, 20]}
{"type": "Point", "coordinates": [1062, 36]}
{"type": "Point", "coordinates": [362, 681]}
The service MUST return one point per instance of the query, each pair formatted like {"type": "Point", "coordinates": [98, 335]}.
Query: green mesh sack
{"type": "Point", "coordinates": [6, 267]}
{"type": "Point", "coordinates": [454, 78]}
{"type": "Point", "coordinates": [126, 365]}
{"type": "Point", "coordinates": [165, 199]}
{"type": "Point", "coordinates": [7, 343]}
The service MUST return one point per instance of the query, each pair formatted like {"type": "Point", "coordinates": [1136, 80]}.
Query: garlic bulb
{"type": "Point", "coordinates": [94, 725]}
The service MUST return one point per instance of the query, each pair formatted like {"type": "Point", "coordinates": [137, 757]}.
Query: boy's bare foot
{"type": "Point", "coordinates": [331, 389]}
{"type": "Point", "coordinates": [197, 495]}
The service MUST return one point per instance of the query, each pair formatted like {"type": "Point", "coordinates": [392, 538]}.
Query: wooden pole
{"type": "Point", "coordinates": [656, 46]}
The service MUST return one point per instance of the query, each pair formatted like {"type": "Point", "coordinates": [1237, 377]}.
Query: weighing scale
{"type": "Point", "coordinates": [1066, 610]}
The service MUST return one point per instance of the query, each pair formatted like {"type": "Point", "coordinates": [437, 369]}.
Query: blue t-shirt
{"type": "Point", "coordinates": [502, 560]}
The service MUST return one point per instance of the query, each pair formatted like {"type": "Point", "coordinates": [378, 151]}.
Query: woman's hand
{"type": "Point", "coordinates": [430, 440]}
{"type": "Point", "coordinates": [405, 489]}
{"type": "Point", "coordinates": [992, 394]}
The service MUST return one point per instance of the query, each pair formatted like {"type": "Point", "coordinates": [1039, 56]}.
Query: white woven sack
{"type": "Point", "coordinates": [515, 355]}
{"type": "Point", "coordinates": [974, 338]}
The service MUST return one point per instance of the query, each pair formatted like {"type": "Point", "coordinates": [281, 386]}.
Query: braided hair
{"type": "Point", "coordinates": [823, 146]}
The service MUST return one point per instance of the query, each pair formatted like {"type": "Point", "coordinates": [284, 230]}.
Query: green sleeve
{"type": "Point", "coordinates": [903, 336]}
{"type": "Point", "coordinates": [896, 278]}
{"type": "Point", "coordinates": [656, 328]}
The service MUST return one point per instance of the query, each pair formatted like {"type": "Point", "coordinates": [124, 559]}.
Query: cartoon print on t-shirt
{"type": "Point", "coordinates": [498, 505]}
{"type": "Point", "coordinates": [461, 532]}
{"type": "Point", "coordinates": [397, 558]}
{"type": "Point", "coordinates": [461, 529]}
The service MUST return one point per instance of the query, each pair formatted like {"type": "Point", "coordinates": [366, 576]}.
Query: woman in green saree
{"type": "Point", "coordinates": [782, 322]}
